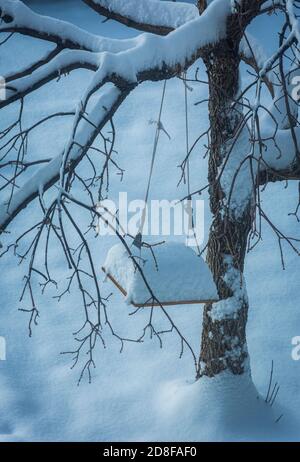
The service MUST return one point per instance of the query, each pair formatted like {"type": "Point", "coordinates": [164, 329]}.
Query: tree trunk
{"type": "Point", "coordinates": [224, 345]}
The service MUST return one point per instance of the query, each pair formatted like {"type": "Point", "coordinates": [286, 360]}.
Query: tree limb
{"type": "Point", "coordinates": [62, 63]}
{"type": "Point", "coordinates": [125, 70]}
{"type": "Point", "coordinates": [19, 18]}
{"type": "Point", "coordinates": [49, 175]}
{"type": "Point", "coordinates": [152, 16]}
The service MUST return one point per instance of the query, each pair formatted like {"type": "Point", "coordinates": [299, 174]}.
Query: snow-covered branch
{"type": "Point", "coordinates": [146, 15]}
{"type": "Point", "coordinates": [17, 17]}
{"type": "Point", "coordinates": [153, 58]}
{"type": "Point", "coordinates": [132, 57]}
{"type": "Point", "coordinates": [30, 68]}
{"type": "Point", "coordinates": [293, 37]}
{"type": "Point", "coordinates": [148, 57]}
{"type": "Point", "coordinates": [63, 63]}
{"type": "Point", "coordinates": [46, 176]}
{"type": "Point", "coordinates": [279, 160]}
{"type": "Point", "coordinates": [253, 54]}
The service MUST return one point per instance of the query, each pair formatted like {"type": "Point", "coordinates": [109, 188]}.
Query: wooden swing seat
{"type": "Point", "coordinates": [178, 274]}
{"type": "Point", "coordinates": [150, 305]}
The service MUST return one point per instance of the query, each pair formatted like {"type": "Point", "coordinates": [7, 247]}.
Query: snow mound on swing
{"type": "Point", "coordinates": [175, 273]}
{"type": "Point", "coordinates": [222, 408]}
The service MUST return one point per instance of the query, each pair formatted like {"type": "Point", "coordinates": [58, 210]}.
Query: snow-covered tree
{"type": "Point", "coordinates": [251, 141]}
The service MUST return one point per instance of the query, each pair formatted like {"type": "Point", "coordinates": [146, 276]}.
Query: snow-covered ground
{"type": "Point", "coordinates": [145, 393]}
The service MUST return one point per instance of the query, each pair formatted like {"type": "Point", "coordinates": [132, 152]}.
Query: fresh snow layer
{"type": "Point", "coordinates": [39, 398]}
{"type": "Point", "coordinates": [229, 307]}
{"type": "Point", "coordinates": [180, 274]}
{"type": "Point", "coordinates": [238, 407]}
{"type": "Point", "coordinates": [24, 17]}
{"type": "Point", "coordinates": [243, 164]}
{"type": "Point", "coordinates": [153, 12]}
{"type": "Point", "coordinates": [251, 48]}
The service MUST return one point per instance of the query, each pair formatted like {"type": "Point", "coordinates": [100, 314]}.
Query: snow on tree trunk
{"type": "Point", "coordinates": [224, 345]}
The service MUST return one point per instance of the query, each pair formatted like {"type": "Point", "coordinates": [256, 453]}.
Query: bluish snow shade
{"type": "Point", "coordinates": [146, 393]}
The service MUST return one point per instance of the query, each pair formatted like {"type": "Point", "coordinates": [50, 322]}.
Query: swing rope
{"type": "Point", "coordinates": [189, 206]}
{"type": "Point", "coordinates": [139, 237]}
{"type": "Point", "coordinates": [187, 137]}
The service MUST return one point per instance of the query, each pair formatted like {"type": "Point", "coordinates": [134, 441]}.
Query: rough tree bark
{"type": "Point", "coordinates": [224, 345]}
